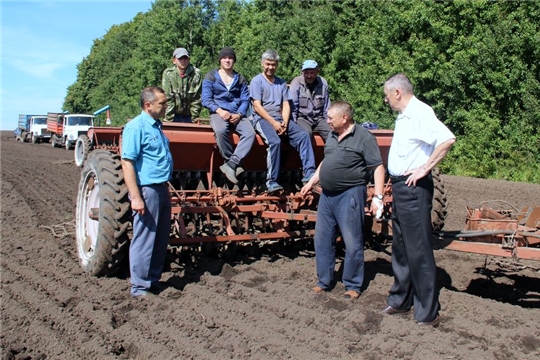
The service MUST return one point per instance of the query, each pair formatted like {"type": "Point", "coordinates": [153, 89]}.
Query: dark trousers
{"type": "Point", "coordinates": [320, 127]}
{"type": "Point", "coordinates": [413, 262]}
{"type": "Point", "coordinates": [346, 211]}
{"type": "Point", "coordinates": [182, 118]}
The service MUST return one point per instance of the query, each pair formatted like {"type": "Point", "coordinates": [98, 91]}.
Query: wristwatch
{"type": "Point", "coordinates": [378, 196]}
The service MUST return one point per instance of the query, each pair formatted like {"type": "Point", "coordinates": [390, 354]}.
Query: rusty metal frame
{"type": "Point", "coordinates": [487, 231]}
{"type": "Point", "coordinates": [106, 138]}
{"type": "Point", "coordinates": [494, 249]}
{"type": "Point", "coordinates": [279, 210]}
{"type": "Point", "coordinates": [194, 150]}
{"type": "Point", "coordinates": [506, 233]}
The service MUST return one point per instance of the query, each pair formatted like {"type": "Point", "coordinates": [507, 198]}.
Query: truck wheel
{"type": "Point", "coordinates": [103, 215]}
{"type": "Point", "coordinates": [440, 205]}
{"type": "Point", "coordinates": [68, 144]}
{"type": "Point", "coordinates": [35, 139]}
{"type": "Point", "coordinates": [24, 136]}
{"type": "Point", "coordinates": [82, 149]}
{"type": "Point", "coordinates": [53, 142]}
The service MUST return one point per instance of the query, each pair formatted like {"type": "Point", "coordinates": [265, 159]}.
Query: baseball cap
{"type": "Point", "coordinates": [178, 53]}
{"type": "Point", "coordinates": [309, 64]}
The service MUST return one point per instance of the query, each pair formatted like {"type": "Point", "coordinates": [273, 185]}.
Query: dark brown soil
{"type": "Point", "coordinates": [247, 307]}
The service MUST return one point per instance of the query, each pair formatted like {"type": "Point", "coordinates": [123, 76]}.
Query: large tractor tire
{"type": "Point", "coordinates": [82, 149]}
{"type": "Point", "coordinates": [103, 215]}
{"type": "Point", "coordinates": [440, 205]}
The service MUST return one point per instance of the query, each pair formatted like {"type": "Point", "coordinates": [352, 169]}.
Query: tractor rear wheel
{"type": "Point", "coordinates": [440, 205]}
{"type": "Point", "coordinates": [103, 215]}
{"type": "Point", "coordinates": [82, 149]}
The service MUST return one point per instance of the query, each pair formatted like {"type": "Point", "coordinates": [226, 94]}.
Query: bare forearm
{"type": "Point", "coordinates": [438, 154]}
{"type": "Point", "coordinates": [286, 111]}
{"type": "Point", "coordinates": [378, 177]}
{"type": "Point", "coordinates": [314, 179]}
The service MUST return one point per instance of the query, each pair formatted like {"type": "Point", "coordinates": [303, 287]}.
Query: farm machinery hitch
{"type": "Point", "coordinates": [501, 232]}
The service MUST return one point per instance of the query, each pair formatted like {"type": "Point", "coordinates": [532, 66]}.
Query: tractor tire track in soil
{"type": "Point", "coordinates": [251, 306]}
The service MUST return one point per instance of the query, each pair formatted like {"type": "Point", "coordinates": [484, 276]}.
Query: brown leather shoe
{"type": "Point", "coordinates": [435, 322]}
{"type": "Point", "coordinates": [317, 289]}
{"type": "Point", "coordinates": [391, 311]}
{"type": "Point", "coordinates": [351, 294]}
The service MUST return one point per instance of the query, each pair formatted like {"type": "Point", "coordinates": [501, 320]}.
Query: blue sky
{"type": "Point", "coordinates": [42, 43]}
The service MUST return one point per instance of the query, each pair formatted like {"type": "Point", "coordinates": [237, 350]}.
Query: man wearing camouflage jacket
{"type": "Point", "coordinates": [182, 84]}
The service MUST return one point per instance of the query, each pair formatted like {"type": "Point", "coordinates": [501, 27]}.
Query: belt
{"type": "Point", "coordinates": [395, 179]}
{"type": "Point", "coordinates": [158, 184]}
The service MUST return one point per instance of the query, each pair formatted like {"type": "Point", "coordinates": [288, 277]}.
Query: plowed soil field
{"type": "Point", "coordinates": [245, 307]}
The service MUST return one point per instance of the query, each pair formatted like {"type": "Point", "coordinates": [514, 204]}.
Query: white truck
{"type": "Point", "coordinates": [38, 129]}
{"type": "Point", "coordinates": [66, 128]}
{"type": "Point", "coordinates": [32, 128]}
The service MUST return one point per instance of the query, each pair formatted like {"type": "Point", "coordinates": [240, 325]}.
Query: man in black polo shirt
{"type": "Point", "coordinates": [349, 152]}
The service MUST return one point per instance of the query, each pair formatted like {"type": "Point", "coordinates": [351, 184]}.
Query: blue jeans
{"type": "Point", "coordinates": [151, 233]}
{"type": "Point", "coordinates": [222, 132]}
{"type": "Point", "coordinates": [346, 210]}
{"type": "Point", "coordinates": [298, 138]}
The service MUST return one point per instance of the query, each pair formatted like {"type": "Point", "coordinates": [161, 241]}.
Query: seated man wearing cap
{"type": "Point", "coordinates": [310, 100]}
{"type": "Point", "coordinates": [225, 93]}
{"type": "Point", "coordinates": [182, 84]}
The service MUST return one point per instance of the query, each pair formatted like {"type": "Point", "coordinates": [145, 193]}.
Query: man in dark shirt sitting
{"type": "Point", "coordinates": [349, 152]}
{"type": "Point", "coordinates": [310, 100]}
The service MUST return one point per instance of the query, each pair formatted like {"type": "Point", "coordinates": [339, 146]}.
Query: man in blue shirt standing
{"type": "Point", "coordinates": [225, 93]}
{"type": "Point", "coordinates": [147, 165]}
{"type": "Point", "coordinates": [270, 97]}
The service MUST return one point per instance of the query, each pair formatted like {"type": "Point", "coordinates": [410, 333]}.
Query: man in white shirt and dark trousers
{"type": "Point", "coordinates": [420, 142]}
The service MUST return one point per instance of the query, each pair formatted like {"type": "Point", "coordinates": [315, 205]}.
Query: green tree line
{"type": "Point", "coordinates": [475, 62]}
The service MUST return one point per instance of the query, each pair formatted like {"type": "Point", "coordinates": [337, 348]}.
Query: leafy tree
{"type": "Point", "coordinates": [474, 62]}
